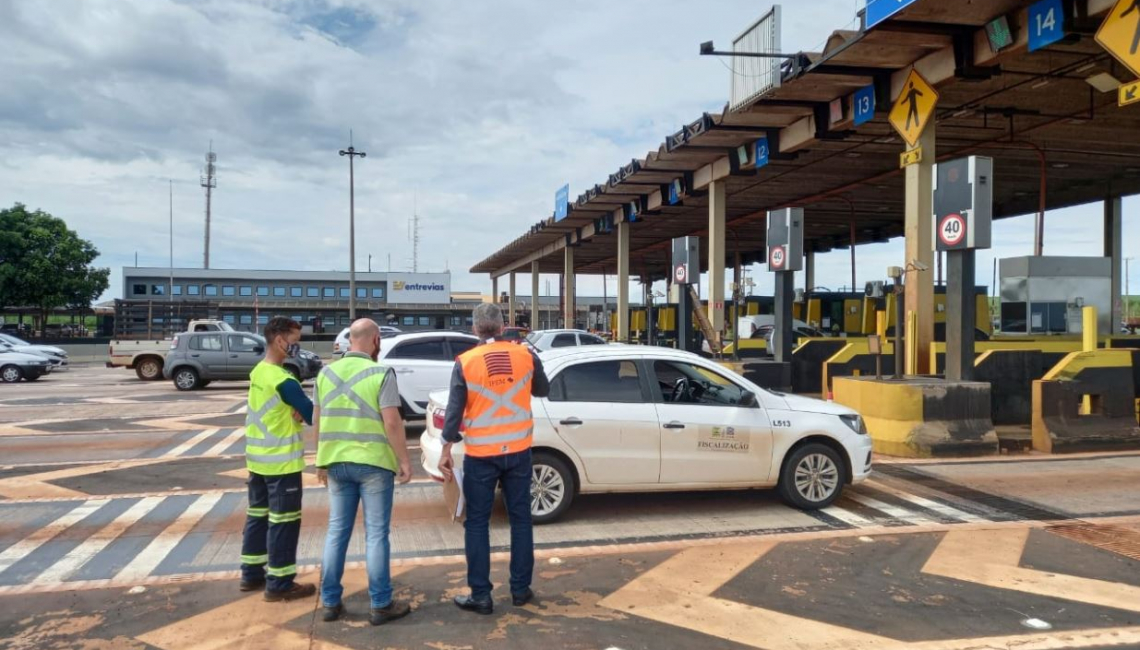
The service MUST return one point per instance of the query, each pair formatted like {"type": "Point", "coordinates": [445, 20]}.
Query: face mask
{"type": "Point", "coordinates": [293, 349]}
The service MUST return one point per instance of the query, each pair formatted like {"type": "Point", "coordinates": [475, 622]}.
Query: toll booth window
{"type": "Point", "coordinates": [211, 290]}
{"type": "Point", "coordinates": [139, 290]}
{"type": "Point", "coordinates": [247, 291]}
{"type": "Point", "coordinates": [177, 290]}
{"type": "Point", "coordinates": [228, 291]}
{"type": "Point", "coordinates": [207, 343]}
{"type": "Point", "coordinates": [313, 292]}
{"type": "Point", "coordinates": [377, 293]}
{"type": "Point", "coordinates": [1048, 317]}
{"type": "Point", "coordinates": [263, 291]}
{"type": "Point", "coordinates": [344, 292]}
{"type": "Point", "coordinates": [1014, 317]}
{"type": "Point", "coordinates": [158, 289]}
{"type": "Point", "coordinates": [192, 290]}
{"type": "Point", "coordinates": [601, 381]}
{"type": "Point", "coordinates": [330, 292]}
{"type": "Point", "coordinates": [278, 292]}
{"type": "Point", "coordinates": [294, 292]}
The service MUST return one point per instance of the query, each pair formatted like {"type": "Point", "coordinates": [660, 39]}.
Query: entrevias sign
{"type": "Point", "coordinates": [421, 288]}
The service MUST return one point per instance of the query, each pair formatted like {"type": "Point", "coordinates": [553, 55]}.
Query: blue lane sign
{"type": "Point", "coordinates": [1046, 24]}
{"type": "Point", "coordinates": [561, 202]}
{"type": "Point", "coordinates": [864, 104]}
{"type": "Point", "coordinates": [880, 10]}
{"type": "Point", "coordinates": [762, 152]}
{"type": "Point", "coordinates": [674, 192]}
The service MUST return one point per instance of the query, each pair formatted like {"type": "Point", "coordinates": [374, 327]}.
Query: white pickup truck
{"type": "Point", "coordinates": [148, 357]}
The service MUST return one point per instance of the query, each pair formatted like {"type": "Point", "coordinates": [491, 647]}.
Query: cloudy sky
{"type": "Point", "coordinates": [475, 111]}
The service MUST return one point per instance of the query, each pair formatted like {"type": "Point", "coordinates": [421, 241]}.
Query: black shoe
{"type": "Point", "coordinates": [521, 599]}
{"type": "Point", "coordinates": [252, 585]}
{"type": "Point", "coordinates": [330, 614]}
{"type": "Point", "coordinates": [396, 609]}
{"type": "Point", "coordinates": [296, 591]}
{"type": "Point", "coordinates": [478, 606]}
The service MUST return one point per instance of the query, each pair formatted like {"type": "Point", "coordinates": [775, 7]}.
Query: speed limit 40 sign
{"type": "Point", "coordinates": [777, 258]}
{"type": "Point", "coordinates": [952, 231]}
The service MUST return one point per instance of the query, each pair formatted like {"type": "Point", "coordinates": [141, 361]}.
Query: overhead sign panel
{"type": "Point", "coordinates": [762, 152]}
{"type": "Point", "coordinates": [786, 239]}
{"type": "Point", "coordinates": [963, 203]}
{"type": "Point", "coordinates": [561, 202]}
{"type": "Point", "coordinates": [880, 10]}
{"type": "Point", "coordinates": [1120, 34]}
{"type": "Point", "coordinates": [419, 288]}
{"type": "Point", "coordinates": [864, 104]}
{"type": "Point", "coordinates": [1129, 93]}
{"type": "Point", "coordinates": [914, 108]}
{"type": "Point", "coordinates": [1046, 24]}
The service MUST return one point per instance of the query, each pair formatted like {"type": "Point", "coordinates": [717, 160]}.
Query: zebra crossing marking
{"type": "Point", "coordinates": [149, 558]}
{"type": "Point", "coordinates": [923, 502]}
{"type": "Point", "coordinates": [226, 443]}
{"type": "Point", "coordinates": [24, 547]}
{"type": "Point", "coordinates": [902, 514]}
{"type": "Point", "coordinates": [82, 554]}
{"type": "Point", "coordinates": [190, 444]}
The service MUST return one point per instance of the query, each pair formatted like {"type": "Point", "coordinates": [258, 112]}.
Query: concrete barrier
{"type": "Point", "coordinates": [920, 417]}
{"type": "Point", "coordinates": [807, 363]}
{"type": "Point", "coordinates": [855, 360]}
{"type": "Point", "coordinates": [1088, 401]}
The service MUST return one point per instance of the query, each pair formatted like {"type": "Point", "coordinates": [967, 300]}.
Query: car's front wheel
{"type": "Point", "coordinates": [186, 379]}
{"type": "Point", "coordinates": [812, 477]}
{"type": "Point", "coordinates": [551, 488]}
{"type": "Point", "coordinates": [11, 374]}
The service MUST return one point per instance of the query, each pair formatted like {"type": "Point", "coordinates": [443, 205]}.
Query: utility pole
{"type": "Point", "coordinates": [414, 235]}
{"type": "Point", "coordinates": [1127, 295]}
{"type": "Point", "coordinates": [209, 181]}
{"type": "Point", "coordinates": [351, 153]}
{"type": "Point", "coordinates": [170, 289]}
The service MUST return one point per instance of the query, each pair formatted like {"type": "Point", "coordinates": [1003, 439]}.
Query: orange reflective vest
{"type": "Point", "coordinates": [497, 418]}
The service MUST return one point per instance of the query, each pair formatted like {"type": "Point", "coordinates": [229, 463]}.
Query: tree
{"type": "Point", "coordinates": [45, 265]}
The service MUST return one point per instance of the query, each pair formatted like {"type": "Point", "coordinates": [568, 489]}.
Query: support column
{"type": "Point", "coordinates": [535, 305]}
{"type": "Point", "coordinates": [809, 272]}
{"type": "Point", "coordinates": [920, 249]}
{"type": "Point", "coordinates": [783, 336]}
{"type": "Point", "coordinates": [623, 282]}
{"type": "Point", "coordinates": [511, 299]}
{"type": "Point", "coordinates": [1113, 208]}
{"type": "Point", "coordinates": [494, 290]}
{"type": "Point", "coordinates": [716, 255]}
{"type": "Point", "coordinates": [961, 315]}
{"type": "Point", "coordinates": [569, 315]}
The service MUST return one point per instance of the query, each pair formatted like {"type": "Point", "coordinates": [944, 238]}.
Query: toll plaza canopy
{"type": "Point", "coordinates": [1049, 119]}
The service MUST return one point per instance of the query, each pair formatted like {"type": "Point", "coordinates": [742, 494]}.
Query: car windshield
{"type": "Point", "coordinates": [533, 337]}
{"type": "Point", "coordinates": [11, 340]}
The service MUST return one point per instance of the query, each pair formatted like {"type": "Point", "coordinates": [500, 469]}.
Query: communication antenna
{"type": "Point", "coordinates": [209, 181]}
{"type": "Point", "coordinates": [414, 236]}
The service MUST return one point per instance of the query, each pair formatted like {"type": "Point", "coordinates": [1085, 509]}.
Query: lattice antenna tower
{"type": "Point", "coordinates": [414, 236]}
{"type": "Point", "coordinates": [209, 181]}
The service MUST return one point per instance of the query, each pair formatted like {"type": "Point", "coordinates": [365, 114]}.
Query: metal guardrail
{"type": "Point", "coordinates": [754, 77]}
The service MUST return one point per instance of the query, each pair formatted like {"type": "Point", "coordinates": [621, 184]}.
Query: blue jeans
{"type": "Point", "coordinates": [349, 484]}
{"type": "Point", "coordinates": [480, 476]}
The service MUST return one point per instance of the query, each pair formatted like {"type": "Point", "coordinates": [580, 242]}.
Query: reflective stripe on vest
{"type": "Point", "coordinates": [498, 417]}
{"type": "Point", "coordinates": [273, 442]}
{"type": "Point", "coordinates": [500, 401]}
{"type": "Point", "coordinates": [351, 425]}
{"type": "Point", "coordinates": [342, 387]}
{"type": "Point", "coordinates": [254, 418]}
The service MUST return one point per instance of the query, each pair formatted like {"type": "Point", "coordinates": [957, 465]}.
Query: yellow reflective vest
{"type": "Point", "coordinates": [351, 426]}
{"type": "Point", "coordinates": [273, 443]}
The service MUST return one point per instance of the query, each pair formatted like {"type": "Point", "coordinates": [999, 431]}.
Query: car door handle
{"type": "Point", "coordinates": [674, 425]}
{"type": "Point", "coordinates": [571, 422]}
{"type": "Point", "coordinates": [405, 371]}
{"type": "Point", "coordinates": [195, 355]}
{"type": "Point", "coordinates": [233, 356]}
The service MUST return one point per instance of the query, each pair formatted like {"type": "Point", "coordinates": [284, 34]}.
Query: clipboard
{"type": "Point", "coordinates": [453, 496]}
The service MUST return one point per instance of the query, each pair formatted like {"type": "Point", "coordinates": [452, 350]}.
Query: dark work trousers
{"type": "Point", "coordinates": [272, 528]}
{"type": "Point", "coordinates": [480, 477]}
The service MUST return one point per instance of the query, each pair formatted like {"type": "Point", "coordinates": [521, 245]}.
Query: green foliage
{"type": "Point", "coordinates": [45, 265]}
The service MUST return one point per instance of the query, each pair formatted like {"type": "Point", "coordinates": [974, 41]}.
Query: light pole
{"type": "Point", "coordinates": [351, 153]}
{"type": "Point", "coordinates": [1127, 295]}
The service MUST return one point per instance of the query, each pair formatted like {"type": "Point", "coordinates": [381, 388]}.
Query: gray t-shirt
{"type": "Point", "coordinates": [389, 391]}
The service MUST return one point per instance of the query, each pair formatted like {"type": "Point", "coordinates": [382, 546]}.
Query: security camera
{"type": "Point", "coordinates": [707, 48]}
{"type": "Point", "coordinates": [919, 266]}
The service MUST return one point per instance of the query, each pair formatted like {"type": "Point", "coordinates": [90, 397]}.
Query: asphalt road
{"type": "Point", "coordinates": [122, 502]}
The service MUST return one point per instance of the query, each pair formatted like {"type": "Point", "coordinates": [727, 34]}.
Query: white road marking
{"type": "Point", "coordinates": [848, 517]}
{"type": "Point", "coordinates": [221, 447]}
{"type": "Point", "coordinates": [940, 508]}
{"type": "Point", "coordinates": [24, 547]}
{"type": "Point", "coordinates": [82, 554]}
{"type": "Point", "coordinates": [155, 552]}
{"type": "Point", "coordinates": [894, 511]}
{"type": "Point", "coordinates": [189, 444]}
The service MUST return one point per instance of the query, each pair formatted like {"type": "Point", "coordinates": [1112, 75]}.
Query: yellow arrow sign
{"type": "Point", "coordinates": [1120, 33]}
{"type": "Point", "coordinates": [1129, 93]}
{"type": "Point", "coordinates": [914, 107]}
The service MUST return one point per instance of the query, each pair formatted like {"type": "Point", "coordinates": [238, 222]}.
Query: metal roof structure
{"type": "Point", "coordinates": [1033, 113]}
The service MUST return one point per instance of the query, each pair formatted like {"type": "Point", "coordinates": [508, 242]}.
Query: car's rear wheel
{"type": "Point", "coordinates": [186, 379]}
{"type": "Point", "coordinates": [11, 374]}
{"type": "Point", "coordinates": [551, 488]}
{"type": "Point", "coordinates": [149, 369]}
{"type": "Point", "coordinates": [812, 477]}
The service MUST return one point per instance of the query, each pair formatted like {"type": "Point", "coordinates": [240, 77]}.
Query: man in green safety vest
{"type": "Point", "coordinates": [275, 457]}
{"type": "Point", "coordinates": [361, 453]}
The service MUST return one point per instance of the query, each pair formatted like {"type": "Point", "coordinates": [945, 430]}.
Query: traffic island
{"type": "Point", "coordinates": [1087, 403]}
{"type": "Point", "coordinates": [922, 417]}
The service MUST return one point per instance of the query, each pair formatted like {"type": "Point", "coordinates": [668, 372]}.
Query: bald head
{"type": "Point", "coordinates": [364, 336]}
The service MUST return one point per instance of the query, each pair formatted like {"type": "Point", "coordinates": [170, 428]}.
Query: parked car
{"type": "Point", "coordinates": [515, 334]}
{"type": "Point", "coordinates": [685, 423]}
{"type": "Point", "coordinates": [799, 330]}
{"type": "Point", "coordinates": [340, 345]}
{"type": "Point", "coordinates": [543, 340]}
{"type": "Point", "coordinates": [148, 357]}
{"type": "Point", "coordinates": [423, 362]}
{"type": "Point", "coordinates": [57, 356]}
{"type": "Point", "coordinates": [15, 366]}
{"type": "Point", "coordinates": [197, 358]}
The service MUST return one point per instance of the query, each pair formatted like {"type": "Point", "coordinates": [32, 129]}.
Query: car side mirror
{"type": "Point", "coordinates": [748, 399]}
{"type": "Point", "coordinates": [259, 350]}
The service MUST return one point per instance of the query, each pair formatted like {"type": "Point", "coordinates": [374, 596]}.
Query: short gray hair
{"type": "Point", "coordinates": [487, 319]}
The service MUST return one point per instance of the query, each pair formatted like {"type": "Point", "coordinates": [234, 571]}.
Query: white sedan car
{"type": "Point", "coordinates": [340, 345]}
{"type": "Point", "coordinates": [423, 362]}
{"type": "Point", "coordinates": [623, 418]}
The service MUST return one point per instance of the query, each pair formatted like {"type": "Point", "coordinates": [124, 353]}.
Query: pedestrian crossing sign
{"type": "Point", "coordinates": [1120, 34]}
{"type": "Point", "coordinates": [913, 108]}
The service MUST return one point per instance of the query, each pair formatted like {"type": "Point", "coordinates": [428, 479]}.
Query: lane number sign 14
{"type": "Point", "coordinates": [1046, 24]}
